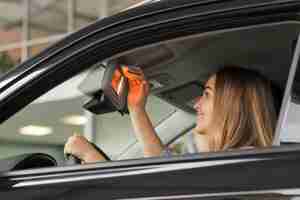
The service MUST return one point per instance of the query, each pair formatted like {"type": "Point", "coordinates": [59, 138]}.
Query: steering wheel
{"type": "Point", "coordinates": [72, 159]}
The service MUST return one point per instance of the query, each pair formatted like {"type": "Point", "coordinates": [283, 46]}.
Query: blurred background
{"type": "Point", "coordinates": [28, 26]}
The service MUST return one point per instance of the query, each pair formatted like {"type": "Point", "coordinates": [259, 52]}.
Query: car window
{"type": "Point", "coordinates": [176, 71]}
{"type": "Point", "coordinates": [45, 125]}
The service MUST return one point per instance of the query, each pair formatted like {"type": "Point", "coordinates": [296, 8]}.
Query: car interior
{"type": "Point", "coordinates": [176, 71]}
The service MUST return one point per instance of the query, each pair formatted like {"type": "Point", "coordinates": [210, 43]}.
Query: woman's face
{"type": "Point", "coordinates": [204, 107]}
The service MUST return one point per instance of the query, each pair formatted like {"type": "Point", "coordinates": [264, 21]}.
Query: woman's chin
{"type": "Point", "coordinates": [198, 130]}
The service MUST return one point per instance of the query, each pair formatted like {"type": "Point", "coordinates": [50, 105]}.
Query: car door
{"type": "Point", "coordinates": [222, 175]}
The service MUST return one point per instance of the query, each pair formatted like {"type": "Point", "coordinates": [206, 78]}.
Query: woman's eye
{"type": "Point", "coordinates": [205, 93]}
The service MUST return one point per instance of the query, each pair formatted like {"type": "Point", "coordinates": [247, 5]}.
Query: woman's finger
{"type": "Point", "coordinates": [140, 72]}
{"type": "Point", "coordinates": [133, 74]}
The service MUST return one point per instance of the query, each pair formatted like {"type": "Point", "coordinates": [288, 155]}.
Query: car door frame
{"type": "Point", "coordinates": [150, 24]}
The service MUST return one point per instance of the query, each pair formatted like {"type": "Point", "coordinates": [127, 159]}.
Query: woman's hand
{"type": "Point", "coordinates": [80, 147]}
{"type": "Point", "coordinates": [138, 90]}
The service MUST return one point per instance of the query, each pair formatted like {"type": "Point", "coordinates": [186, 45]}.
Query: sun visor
{"type": "Point", "coordinates": [157, 55]}
{"type": "Point", "coordinates": [184, 96]}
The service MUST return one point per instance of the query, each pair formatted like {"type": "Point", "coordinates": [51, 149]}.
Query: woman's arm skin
{"type": "Point", "coordinates": [143, 128]}
{"type": "Point", "coordinates": [80, 147]}
{"type": "Point", "coordinates": [145, 133]}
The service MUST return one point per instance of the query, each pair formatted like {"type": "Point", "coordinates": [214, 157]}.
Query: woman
{"type": "Point", "coordinates": [235, 110]}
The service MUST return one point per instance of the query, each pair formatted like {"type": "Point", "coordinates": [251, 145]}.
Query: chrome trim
{"type": "Point", "coordinates": [295, 191]}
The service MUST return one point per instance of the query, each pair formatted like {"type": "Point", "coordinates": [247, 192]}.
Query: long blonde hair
{"type": "Point", "coordinates": [244, 109]}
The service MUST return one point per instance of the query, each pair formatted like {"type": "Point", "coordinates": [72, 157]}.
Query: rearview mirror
{"type": "Point", "coordinates": [111, 94]}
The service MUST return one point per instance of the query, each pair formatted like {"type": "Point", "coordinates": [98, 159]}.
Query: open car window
{"type": "Point", "coordinates": [45, 125]}
{"type": "Point", "coordinates": [176, 71]}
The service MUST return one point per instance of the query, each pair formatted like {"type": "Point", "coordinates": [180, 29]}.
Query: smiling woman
{"type": "Point", "coordinates": [236, 110]}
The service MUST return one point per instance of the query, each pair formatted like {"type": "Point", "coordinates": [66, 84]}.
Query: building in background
{"type": "Point", "coordinates": [29, 26]}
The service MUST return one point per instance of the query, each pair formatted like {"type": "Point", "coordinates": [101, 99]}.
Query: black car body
{"type": "Point", "coordinates": [271, 173]}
